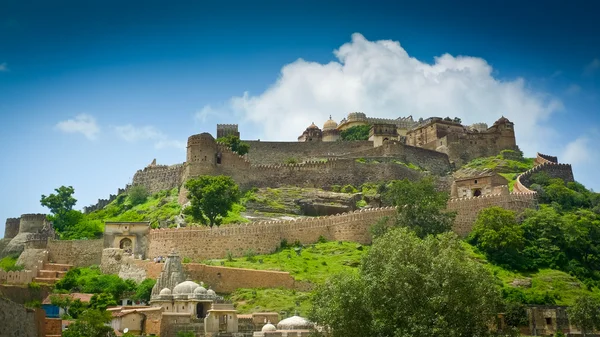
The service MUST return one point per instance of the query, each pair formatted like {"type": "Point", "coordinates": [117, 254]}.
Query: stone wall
{"type": "Point", "coordinates": [544, 158]}
{"type": "Point", "coordinates": [80, 253]}
{"type": "Point", "coordinates": [11, 229]}
{"type": "Point", "coordinates": [16, 277]}
{"type": "Point", "coordinates": [18, 321]}
{"type": "Point", "coordinates": [264, 236]}
{"type": "Point", "coordinates": [272, 153]}
{"type": "Point", "coordinates": [22, 294]}
{"type": "Point", "coordinates": [53, 327]}
{"type": "Point", "coordinates": [104, 202]}
{"type": "Point", "coordinates": [554, 170]}
{"type": "Point", "coordinates": [159, 177]}
{"type": "Point", "coordinates": [467, 209]}
{"type": "Point", "coordinates": [227, 280]}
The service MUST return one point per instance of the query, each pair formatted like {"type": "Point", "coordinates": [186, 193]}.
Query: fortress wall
{"type": "Point", "coordinates": [554, 170]}
{"type": "Point", "coordinates": [544, 158]}
{"type": "Point", "coordinates": [463, 148]}
{"type": "Point", "coordinates": [158, 178]}
{"type": "Point", "coordinates": [80, 253]}
{"type": "Point", "coordinates": [104, 202]}
{"type": "Point", "coordinates": [263, 237]}
{"type": "Point", "coordinates": [11, 228]}
{"type": "Point", "coordinates": [269, 153]}
{"type": "Point", "coordinates": [227, 280]}
{"type": "Point", "coordinates": [467, 209]}
{"type": "Point", "coordinates": [16, 277]}
{"type": "Point", "coordinates": [31, 223]}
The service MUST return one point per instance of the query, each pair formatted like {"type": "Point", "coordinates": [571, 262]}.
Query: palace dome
{"type": "Point", "coordinates": [330, 124]}
{"type": "Point", "coordinates": [165, 292]}
{"type": "Point", "coordinates": [294, 323]}
{"type": "Point", "coordinates": [268, 327]}
{"type": "Point", "coordinates": [186, 287]}
{"type": "Point", "coordinates": [312, 126]}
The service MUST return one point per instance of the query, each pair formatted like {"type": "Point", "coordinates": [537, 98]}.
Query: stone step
{"type": "Point", "coordinates": [47, 280]}
{"type": "Point", "coordinates": [51, 273]}
{"type": "Point", "coordinates": [57, 266]}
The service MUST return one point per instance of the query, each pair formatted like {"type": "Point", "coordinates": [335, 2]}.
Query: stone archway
{"type": "Point", "coordinates": [477, 192]}
{"type": "Point", "coordinates": [126, 244]}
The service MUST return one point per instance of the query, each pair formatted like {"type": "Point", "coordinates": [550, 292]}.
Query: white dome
{"type": "Point", "coordinates": [268, 327]}
{"type": "Point", "coordinates": [294, 323]}
{"type": "Point", "coordinates": [211, 292]}
{"type": "Point", "coordinates": [165, 292]}
{"type": "Point", "coordinates": [200, 291]}
{"type": "Point", "coordinates": [186, 287]}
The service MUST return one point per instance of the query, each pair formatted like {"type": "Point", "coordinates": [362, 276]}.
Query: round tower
{"type": "Point", "coordinates": [201, 154]}
{"type": "Point", "coordinates": [32, 223]}
{"type": "Point", "coordinates": [12, 228]}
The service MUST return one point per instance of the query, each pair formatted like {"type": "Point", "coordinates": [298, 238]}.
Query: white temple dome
{"type": "Point", "coordinates": [186, 287]}
{"type": "Point", "coordinates": [211, 292]}
{"type": "Point", "coordinates": [165, 292]}
{"type": "Point", "coordinates": [268, 327]}
{"type": "Point", "coordinates": [294, 323]}
{"type": "Point", "coordinates": [200, 291]}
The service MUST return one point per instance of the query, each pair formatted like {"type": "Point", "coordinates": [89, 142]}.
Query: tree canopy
{"type": "Point", "coordinates": [585, 314]}
{"type": "Point", "coordinates": [420, 206]}
{"type": "Point", "coordinates": [357, 132]}
{"type": "Point", "coordinates": [407, 286]}
{"type": "Point", "coordinates": [60, 204]}
{"type": "Point", "coordinates": [211, 197]}
{"type": "Point", "coordinates": [91, 323]}
{"type": "Point", "coordinates": [235, 144]}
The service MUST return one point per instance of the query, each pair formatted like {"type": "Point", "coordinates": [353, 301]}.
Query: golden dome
{"type": "Point", "coordinates": [330, 124]}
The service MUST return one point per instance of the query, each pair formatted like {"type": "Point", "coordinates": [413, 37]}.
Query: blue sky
{"type": "Point", "coordinates": [92, 91]}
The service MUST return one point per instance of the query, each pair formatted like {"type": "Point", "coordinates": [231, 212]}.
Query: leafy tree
{"type": "Point", "coordinates": [357, 132]}
{"type": "Point", "coordinates": [92, 323]}
{"type": "Point", "coordinates": [185, 334]}
{"type": "Point", "coordinates": [235, 144]}
{"type": "Point", "coordinates": [211, 197]}
{"type": "Point", "coordinates": [515, 315]}
{"type": "Point", "coordinates": [144, 290]}
{"type": "Point", "coordinates": [497, 234]}
{"type": "Point", "coordinates": [409, 286]}
{"type": "Point", "coordinates": [420, 206]}
{"type": "Point", "coordinates": [60, 204]}
{"type": "Point", "coordinates": [457, 120]}
{"type": "Point", "coordinates": [585, 314]}
{"type": "Point", "coordinates": [102, 301]}
{"type": "Point", "coordinates": [91, 280]}
{"type": "Point", "coordinates": [545, 244]}
{"type": "Point", "coordinates": [138, 194]}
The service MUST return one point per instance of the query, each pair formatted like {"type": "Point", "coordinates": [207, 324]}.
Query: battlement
{"type": "Point", "coordinates": [264, 236]}
{"type": "Point", "coordinates": [11, 229]}
{"type": "Point", "coordinates": [33, 217]}
{"type": "Point", "coordinates": [159, 177]}
{"type": "Point", "coordinates": [307, 165]}
{"type": "Point", "coordinates": [553, 169]}
{"type": "Point", "coordinates": [543, 158]}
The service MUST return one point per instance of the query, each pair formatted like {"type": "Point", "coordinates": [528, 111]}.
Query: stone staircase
{"type": "Point", "coordinates": [51, 273]}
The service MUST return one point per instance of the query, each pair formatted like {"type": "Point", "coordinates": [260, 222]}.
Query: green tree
{"type": "Point", "coordinates": [211, 197]}
{"type": "Point", "coordinates": [92, 323]}
{"type": "Point", "coordinates": [102, 301]}
{"type": "Point", "coordinates": [585, 314]}
{"type": "Point", "coordinates": [235, 144]}
{"type": "Point", "coordinates": [409, 286]}
{"type": "Point", "coordinates": [357, 132]}
{"type": "Point", "coordinates": [420, 206]}
{"type": "Point", "coordinates": [137, 194]}
{"type": "Point", "coordinates": [60, 204]}
{"type": "Point", "coordinates": [144, 290]}
{"type": "Point", "coordinates": [498, 235]}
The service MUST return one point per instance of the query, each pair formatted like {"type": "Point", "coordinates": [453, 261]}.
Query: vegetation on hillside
{"type": "Point", "coordinates": [284, 301]}
{"type": "Point", "coordinates": [508, 164]}
{"type": "Point", "coordinates": [9, 263]}
{"type": "Point", "coordinates": [235, 144]}
{"type": "Point", "coordinates": [211, 198]}
{"type": "Point", "coordinates": [357, 132]}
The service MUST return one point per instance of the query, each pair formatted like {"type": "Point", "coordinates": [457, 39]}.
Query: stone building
{"type": "Point", "coordinates": [403, 124]}
{"type": "Point", "coordinates": [381, 133]}
{"type": "Point", "coordinates": [224, 130]}
{"type": "Point", "coordinates": [132, 237]}
{"type": "Point", "coordinates": [311, 134]}
{"type": "Point", "coordinates": [461, 143]}
{"type": "Point", "coordinates": [469, 183]}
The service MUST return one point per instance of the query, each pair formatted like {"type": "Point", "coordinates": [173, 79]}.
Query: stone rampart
{"type": "Point", "coordinates": [544, 158]}
{"type": "Point", "coordinates": [16, 277]}
{"type": "Point", "coordinates": [264, 236]}
{"type": "Point", "coordinates": [467, 209]}
{"type": "Point", "coordinates": [554, 170]}
{"type": "Point", "coordinates": [104, 202]}
{"type": "Point", "coordinates": [80, 253]}
{"type": "Point", "coordinates": [18, 321]}
{"type": "Point", "coordinates": [11, 229]}
{"type": "Point", "coordinates": [271, 153]}
{"type": "Point", "coordinates": [31, 223]}
{"type": "Point", "coordinates": [159, 177]}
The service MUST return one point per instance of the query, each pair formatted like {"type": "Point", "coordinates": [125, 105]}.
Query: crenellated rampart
{"type": "Point", "coordinates": [11, 229]}
{"type": "Point", "coordinates": [264, 236]}
{"type": "Point", "coordinates": [554, 170]}
{"type": "Point", "coordinates": [159, 177]}
{"type": "Point", "coordinates": [467, 209]}
{"type": "Point", "coordinates": [104, 202]}
{"type": "Point", "coordinates": [544, 158]}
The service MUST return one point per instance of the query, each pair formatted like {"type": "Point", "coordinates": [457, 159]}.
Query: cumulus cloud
{"type": "Point", "coordinates": [132, 134]}
{"type": "Point", "coordinates": [577, 151]}
{"type": "Point", "coordinates": [3, 67]}
{"type": "Point", "coordinates": [592, 67]}
{"type": "Point", "coordinates": [381, 79]}
{"type": "Point", "coordinates": [205, 113]}
{"type": "Point", "coordinates": [82, 123]}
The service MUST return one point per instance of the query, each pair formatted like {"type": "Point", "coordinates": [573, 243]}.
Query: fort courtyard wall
{"type": "Point", "coordinates": [80, 253]}
{"type": "Point", "coordinates": [265, 236]}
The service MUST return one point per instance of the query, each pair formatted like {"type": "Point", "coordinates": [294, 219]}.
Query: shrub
{"type": "Point", "coordinates": [349, 189]}
{"type": "Point", "coordinates": [230, 256]}
{"type": "Point", "coordinates": [138, 194]}
{"type": "Point", "coordinates": [322, 239]}
{"type": "Point", "coordinates": [250, 255]}
{"type": "Point", "coordinates": [361, 203]}
{"type": "Point", "coordinates": [9, 263]}
{"type": "Point", "coordinates": [186, 260]}
{"type": "Point", "coordinates": [291, 160]}
{"type": "Point", "coordinates": [336, 188]}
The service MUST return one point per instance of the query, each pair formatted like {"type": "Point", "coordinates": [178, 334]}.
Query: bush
{"type": "Point", "coordinates": [349, 189]}
{"type": "Point", "coordinates": [358, 132]}
{"type": "Point", "coordinates": [322, 239]}
{"type": "Point", "coordinates": [250, 255]}
{"type": "Point", "coordinates": [138, 194]}
{"type": "Point", "coordinates": [336, 188]}
{"type": "Point", "coordinates": [9, 263]}
{"type": "Point", "coordinates": [291, 161]}
{"type": "Point", "coordinates": [361, 203]}
{"type": "Point", "coordinates": [186, 260]}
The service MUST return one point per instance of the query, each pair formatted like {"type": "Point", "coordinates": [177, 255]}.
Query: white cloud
{"type": "Point", "coordinates": [131, 133]}
{"type": "Point", "coordinates": [592, 67]}
{"type": "Point", "coordinates": [3, 67]}
{"type": "Point", "coordinates": [206, 112]}
{"type": "Point", "coordinates": [577, 151]}
{"type": "Point", "coordinates": [573, 89]}
{"type": "Point", "coordinates": [82, 123]}
{"type": "Point", "coordinates": [381, 79]}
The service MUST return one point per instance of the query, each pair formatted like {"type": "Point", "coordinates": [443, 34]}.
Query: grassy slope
{"type": "Point", "coordinates": [507, 168]}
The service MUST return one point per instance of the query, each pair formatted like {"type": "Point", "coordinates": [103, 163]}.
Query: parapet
{"type": "Point", "coordinates": [12, 228]}
{"type": "Point", "coordinates": [32, 223]}
{"type": "Point", "coordinates": [544, 158]}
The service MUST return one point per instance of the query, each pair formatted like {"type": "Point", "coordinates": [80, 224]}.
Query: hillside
{"type": "Point", "coordinates": [508, 164]}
